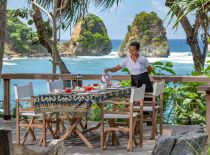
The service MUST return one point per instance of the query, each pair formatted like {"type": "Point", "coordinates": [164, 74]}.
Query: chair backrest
{"type": "Point", "coordinates": [158, 87]}
{"type": "Point", "coordinates": [57, 84]}
{"type": "Point", "coordinates": [25, 91]}
{"type": "Point", "coordinates": [137, 94]}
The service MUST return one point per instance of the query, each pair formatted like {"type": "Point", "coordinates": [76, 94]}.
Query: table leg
{"type": "Point", "coordinates": [92, 128]}
{"type": "Point", "coordinates": [68, 132]}
{"type": "Point", "coordinates": [90, 146]}
{"type": "Point", "coordinates": [43, 138]}
{"type": "Point", "coordinates": [57, 133]}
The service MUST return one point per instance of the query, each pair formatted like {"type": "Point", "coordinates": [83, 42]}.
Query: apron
{"type": "Point", "coordinates": [138, 80]}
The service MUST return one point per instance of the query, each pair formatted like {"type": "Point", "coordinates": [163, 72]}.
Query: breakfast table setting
{"type": "Point", "coordinates": [75, 103]}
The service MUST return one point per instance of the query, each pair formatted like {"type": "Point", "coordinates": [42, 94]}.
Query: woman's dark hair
{"type": "Point", "coordinates": [136, 44]}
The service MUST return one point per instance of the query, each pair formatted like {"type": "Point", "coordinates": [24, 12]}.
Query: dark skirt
{"type": "Point", "coordinates": [138, 80]}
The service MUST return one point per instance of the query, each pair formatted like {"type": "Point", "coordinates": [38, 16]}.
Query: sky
{"type": "Point", "coordinates": [118, 18]}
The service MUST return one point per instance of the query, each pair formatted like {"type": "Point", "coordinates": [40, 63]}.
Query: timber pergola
{"type": "Point", "coordinates": [8, 77]}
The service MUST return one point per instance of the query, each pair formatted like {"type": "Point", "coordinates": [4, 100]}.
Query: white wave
{"type": "Point", "coordinates": [177, 57]}
{"type": "Point", "coordinates": [180, 54]}
{"type": "Point", "coordinates": [110, 55]}
{"type": "Point", "coordinates": [15, 58]}
{"type": "Point", "coordinates": [9, 64]}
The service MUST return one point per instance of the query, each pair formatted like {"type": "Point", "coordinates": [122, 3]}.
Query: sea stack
{"type": "Point", "coordinates": [89, 38]}
{"type": "Point", "coordinates": [148, 30]}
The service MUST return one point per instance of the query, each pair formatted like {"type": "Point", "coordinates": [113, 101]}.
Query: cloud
{"type": "Point", "coordinates": [159, 6]}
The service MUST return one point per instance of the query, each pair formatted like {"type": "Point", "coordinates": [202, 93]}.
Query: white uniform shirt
{"type": "Point", "coordinates": [135, 68]}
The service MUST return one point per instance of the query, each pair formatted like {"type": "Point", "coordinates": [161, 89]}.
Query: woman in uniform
{"type": "Point", "coordinates": [138, 67]}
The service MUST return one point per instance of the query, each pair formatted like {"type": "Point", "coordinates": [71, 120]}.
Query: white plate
{"type": "Point", "coordinates": [93, 91]}
{"type": "Point", "coordinates": [112, 88]}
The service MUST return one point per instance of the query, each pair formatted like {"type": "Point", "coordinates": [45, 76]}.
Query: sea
{"type": "Point", "coordinates": [180, 56]}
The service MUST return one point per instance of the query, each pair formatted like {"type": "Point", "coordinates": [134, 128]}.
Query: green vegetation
{"type": "Point", "coordinates": [144, 21]}
{"type": "Point", "coordinates": [19, 36]}
{"type": "Point", "coordinates": [93, 35]}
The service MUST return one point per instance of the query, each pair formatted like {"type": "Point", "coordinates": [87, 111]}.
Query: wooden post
{"type": "Point", "coordinates": [5, 142]}
{"type": "Point", "coordinates": [7, 115]}
{"type": "Point", "coordinates": [206, 90]}
{"type": "Point", "coordinates": [208, 115]}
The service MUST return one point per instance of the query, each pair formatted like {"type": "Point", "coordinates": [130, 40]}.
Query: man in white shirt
{"type": "Point", "coordinates": [138, 67]}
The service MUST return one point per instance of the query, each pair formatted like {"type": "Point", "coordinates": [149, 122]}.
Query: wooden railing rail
{"type": "Point", "coordinates": [13, 76]}
{"type": "Point", "coordinates": [98, 77]}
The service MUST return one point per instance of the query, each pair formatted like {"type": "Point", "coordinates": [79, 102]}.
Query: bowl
{"type": "Point", "coordinates": [88, 88]}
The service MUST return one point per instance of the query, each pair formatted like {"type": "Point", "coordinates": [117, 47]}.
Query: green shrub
{"type": "Point", "coordinates": [157, 39]}
{"type": "Point", "coordinates": [93, 36]}
{"type": "Point", "coordinates": [21, 37]}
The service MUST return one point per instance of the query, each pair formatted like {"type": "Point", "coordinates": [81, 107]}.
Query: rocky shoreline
{"type": "Point", "coordinates": [14, 55]}
{"type": "Point", "coordinates": [33, 55]}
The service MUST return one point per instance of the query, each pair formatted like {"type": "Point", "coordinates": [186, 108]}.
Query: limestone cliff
{"type": "Point", "coordinates": [148, 30]}
{"type": "Point", "coordinates": [89, 38]}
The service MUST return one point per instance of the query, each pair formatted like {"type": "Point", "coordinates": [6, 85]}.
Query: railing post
{"type": "Point", "coordinates": [208, 114]}
{"type": "Point", "coordinates": [6, 103]}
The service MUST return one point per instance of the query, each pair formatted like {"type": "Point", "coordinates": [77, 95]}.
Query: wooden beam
{"type": "Point", "coordinates": [6, 103]}
{"type": "Point", "coordinates": [98, 77]}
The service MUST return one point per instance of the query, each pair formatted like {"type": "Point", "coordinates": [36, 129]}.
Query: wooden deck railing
{"type": "Point", "coordinates": [7, 77]}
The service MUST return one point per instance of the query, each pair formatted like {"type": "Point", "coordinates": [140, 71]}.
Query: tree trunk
{"type": "Point", "coordinates": [46, 40]}
{"type": "Point", "coordinates": [192, 36]}
{"type": "Point", "coordinates": [3, 6]}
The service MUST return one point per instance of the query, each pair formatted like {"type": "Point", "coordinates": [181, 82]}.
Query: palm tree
{"type": "Point", "coordinates": [3, 6]}
{"type": "Point", "coordinates": [180, 9]}
{"type": "Point", "coordinates": [69, 12]}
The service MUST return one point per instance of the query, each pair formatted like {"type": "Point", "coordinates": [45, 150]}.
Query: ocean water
{"type": "Point", "coordinates": [180, 56]}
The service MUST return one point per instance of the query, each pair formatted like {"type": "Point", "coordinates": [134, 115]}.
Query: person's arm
{"type": "Point", "coordinates": [113, 69]}
{"type": "Point", "coordinates": [149, 68]}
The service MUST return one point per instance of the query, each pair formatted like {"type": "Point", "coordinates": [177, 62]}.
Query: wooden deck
{"type": "Point", "coordinates": [74, 146]}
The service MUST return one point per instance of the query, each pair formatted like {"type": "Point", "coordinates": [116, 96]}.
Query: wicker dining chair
{"type": "Point", "coordinates": [126, 113]}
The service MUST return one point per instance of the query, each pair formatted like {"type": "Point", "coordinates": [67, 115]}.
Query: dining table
{"type": "Point", "coordinates": [75, 106]}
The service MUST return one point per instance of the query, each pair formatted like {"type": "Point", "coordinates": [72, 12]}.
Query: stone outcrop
{"type": "Point", "coordinates": [184, 140]}
{"type": "Point", "coordinates": [56, 147]}
{"type": "Point", "coordinates": [148, 30]}
{"type": "Point", "coordinates": [89, 38]}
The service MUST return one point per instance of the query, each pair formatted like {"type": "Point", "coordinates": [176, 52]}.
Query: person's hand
{"type": "Point", "coordinates": [106, 70]}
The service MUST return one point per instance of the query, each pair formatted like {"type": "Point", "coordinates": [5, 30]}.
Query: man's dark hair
{"type": "Point", "coordinates": [136, 44]}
